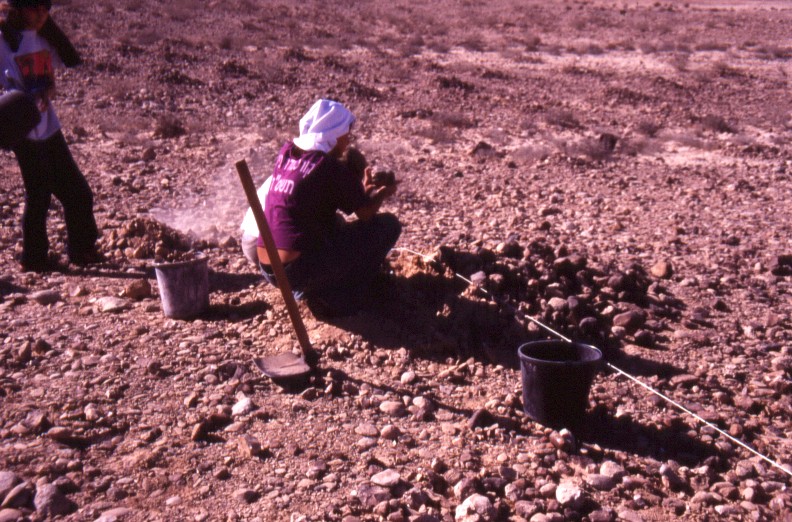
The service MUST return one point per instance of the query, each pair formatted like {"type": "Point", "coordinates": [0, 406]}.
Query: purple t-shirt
{"type": "Point", "coordinates": [308, 187]}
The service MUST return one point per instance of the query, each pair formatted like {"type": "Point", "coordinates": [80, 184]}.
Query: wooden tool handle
{"type": "Point", "coordinates": [309, 354]}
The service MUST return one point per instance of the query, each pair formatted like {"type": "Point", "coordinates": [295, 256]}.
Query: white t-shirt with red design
{"type": "Point", "coordinates": [31, 69]}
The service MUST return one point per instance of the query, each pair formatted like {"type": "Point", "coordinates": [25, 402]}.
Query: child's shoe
{"type": "Point", "coordinates": [43, 266]}
{"type": "Point", "coordinates": [89, 257]}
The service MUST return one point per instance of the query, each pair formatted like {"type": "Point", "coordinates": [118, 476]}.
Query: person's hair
{"type": "Point", "coordinates": [12, 25]}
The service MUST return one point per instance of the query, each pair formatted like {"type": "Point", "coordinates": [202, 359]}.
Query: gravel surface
{"type": "Point", "coordinates": [619, 173]}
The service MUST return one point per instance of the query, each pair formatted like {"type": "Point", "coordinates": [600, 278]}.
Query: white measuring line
{"type": "Point", "coordinates": [625, 374]}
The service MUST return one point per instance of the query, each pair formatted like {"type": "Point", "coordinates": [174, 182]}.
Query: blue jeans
{"type": "Point", "coordinates": [340, 272]}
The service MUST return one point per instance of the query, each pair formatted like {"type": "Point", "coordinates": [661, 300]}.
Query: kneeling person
{"type": "Point", "coordinates": [329, 261]}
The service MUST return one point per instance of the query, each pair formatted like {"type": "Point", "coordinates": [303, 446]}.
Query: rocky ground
{"type": "Point", "coordinates": [618, 172]}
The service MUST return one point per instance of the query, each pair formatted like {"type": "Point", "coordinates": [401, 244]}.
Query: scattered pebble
{"type": "Point", "coordinates": [46, 297]}
{"type": "Point", "coordinates": [387, 479]}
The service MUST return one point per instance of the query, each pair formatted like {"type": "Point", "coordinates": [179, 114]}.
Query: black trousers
{"type": "Point", "coordinates": [343, 269]}
{"type": "Point", "coordinates": [48, 169]}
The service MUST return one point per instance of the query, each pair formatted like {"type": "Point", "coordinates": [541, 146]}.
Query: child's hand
{"type": "Point", "coordinates": [43, 98]}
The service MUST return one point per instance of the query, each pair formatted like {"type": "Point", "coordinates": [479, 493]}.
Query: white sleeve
{"type": "Point", "coordinates": [249, 226]}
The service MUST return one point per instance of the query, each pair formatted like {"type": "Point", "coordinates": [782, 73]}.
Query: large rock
{"type": "Point", "coordinates": [243, 407]}
{"type": "Point", "coordinates": [630, 320]}
{"type": "Point", "coordinates": [118, 514]}
{"type": "Point", "coordinates": [50, 502]}
{"type": "Point", "coordinates": [367, 429]}
{"type": "Point", "coordinates": [569, 495]}
{"type": "Point", "coordinates": [11, 515]}
{"type": "Point", "coordinates": [19, 496]}
{"type": "Point", "coordinates": [7, 482]}
{"type": "Point", "coordinates": [558, 303]}
{"type": "Point", "coordinates": [46, 297]}
{"type": "Point", "coordinates": [393, 408]}
{"type": "Point", "coordinates": [246, 495]}
{"type": "Point", "coordinates": [662, 270]}
{"type": "Point", "coordinates": [475, 508]}
{"type": "Point", "coordinates": [137, 290]}
{"type": "Point", "coordinates": [466, 487]}
{"type": "Point", "coordinates": [706, 498]}
{"type": "Point", "coordinates": [600, 482]}
{"type": "Point", "coordinates": [548, 517]}
{"type": "Point", "coordinates": [612, 469]}
{"type": "Point", "coordinates": [371, 495]}
{"type": "Point", "coordinates": [526, 509]}
{"type": "Point", "coordinates": [111, 305]}
{"type": "Point", "coordinates": [387, 479]}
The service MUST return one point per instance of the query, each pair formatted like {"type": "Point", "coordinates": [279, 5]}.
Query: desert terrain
{"type": "Point", "coordinates": [618, 171]}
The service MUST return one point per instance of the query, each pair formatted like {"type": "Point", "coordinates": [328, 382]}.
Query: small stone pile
{"type": "Point", "coordinates": [559, 288]}
{"type": "Point", "coordinates": [147, 238]}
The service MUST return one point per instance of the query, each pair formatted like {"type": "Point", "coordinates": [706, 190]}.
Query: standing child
{"type": "Point", "coordinates": [30, 46]}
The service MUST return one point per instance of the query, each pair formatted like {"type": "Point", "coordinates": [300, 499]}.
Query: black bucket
{"type": "Point", "coordinates": [556, 379]}
{"type": "Point", "coordinates": [18, 116]}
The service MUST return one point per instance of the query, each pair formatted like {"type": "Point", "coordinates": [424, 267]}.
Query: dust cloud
{"type": "Point", "coordinates": [215, 211]}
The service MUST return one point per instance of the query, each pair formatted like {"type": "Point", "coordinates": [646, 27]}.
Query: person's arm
{"type": "Point", "coordinates": [11, 27]}
{"type": "Point", "coordinates": [376, 196]}
{"type": "Point", "coordinates": [60, 42]}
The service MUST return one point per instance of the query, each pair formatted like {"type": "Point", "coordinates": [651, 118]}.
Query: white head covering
{"type": "Point", "coordinates": [322, 125]}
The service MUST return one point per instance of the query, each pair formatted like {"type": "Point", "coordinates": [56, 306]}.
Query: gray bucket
{"type": "Point", "coordinates": [184, 287]}
{"type": "Point", "coordinates": [556, 379]}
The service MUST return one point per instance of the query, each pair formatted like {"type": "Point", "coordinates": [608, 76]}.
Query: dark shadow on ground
{"type": "Point", "coordinates": [436, 317]}
{"type": "Point", "coordinates": [338, 377]}
{"type": "Point", "coordinates": [429, 309]}
{"type": "Point", "coordinates": [636, 366]}
{"type": "Point", "coordinates": [8, 288]}
{"type": "Point", "coordinates": [108, 270]}
{"type": "Point", "coordinates": [228, 282]}
{"type": "Point", "coordinates": [235, 312]}
{"type": "Point", "coordinates": [660, 443]}
{"type": "Point", "coordinates": [218, 281]}
{"type": "Point", "coordinates": [426, 314]}
{"type": "Point", "coordinates": [334, 381]}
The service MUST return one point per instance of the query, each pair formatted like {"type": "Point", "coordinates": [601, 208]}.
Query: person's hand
{"type": "Point", "coordinates": [376, 194]}
{"type": "Point", "coordinates": [43, 98]}
{"type": "Point", "coordinates": [375, 180]}
{"type": "Point", "coordinates": [386, 190]}
{"type": "Point", "coordinates": [368, 179]}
